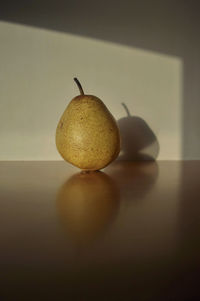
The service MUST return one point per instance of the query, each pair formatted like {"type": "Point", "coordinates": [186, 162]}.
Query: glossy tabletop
{"type": "Point", "coordinates": [130, 232]}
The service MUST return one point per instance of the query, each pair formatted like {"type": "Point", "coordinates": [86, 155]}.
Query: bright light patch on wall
{"type": "Point", "coordinates": [37, 68]}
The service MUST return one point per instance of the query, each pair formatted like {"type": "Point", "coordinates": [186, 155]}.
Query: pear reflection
{"type": "Point", "coordinates": [135, 178]}
{"type": "Point", "coordinates": [87, 204]}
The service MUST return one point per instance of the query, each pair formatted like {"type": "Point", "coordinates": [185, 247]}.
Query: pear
{"type": "Point", "coordinates": [87, 134]}
{"type": "Point", "coordinates": [87, 204]}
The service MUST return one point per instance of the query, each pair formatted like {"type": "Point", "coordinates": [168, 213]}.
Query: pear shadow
{"type": "Point", "coordinates": [138, 141]}
{"type": "Point", "coordinates": [87, 205]}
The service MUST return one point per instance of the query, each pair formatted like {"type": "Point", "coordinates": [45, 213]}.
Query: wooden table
{"type": "Point", "coordinates": [131, 232]}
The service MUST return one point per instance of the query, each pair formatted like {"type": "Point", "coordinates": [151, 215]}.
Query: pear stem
{"type": "Point", "coordinates": [126, 109]}
{"type": "Point", "coordinates": [79, 86]}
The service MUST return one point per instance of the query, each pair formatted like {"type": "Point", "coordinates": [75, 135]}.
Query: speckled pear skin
{"type": "Point", "coordinates": [87, 134]}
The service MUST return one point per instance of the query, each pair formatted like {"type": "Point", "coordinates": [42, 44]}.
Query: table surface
{"type": "Point", "coordinates": [131, 232]}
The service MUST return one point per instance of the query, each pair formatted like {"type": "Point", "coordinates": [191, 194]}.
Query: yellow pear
{"type": "Point", "coordinates": [87, 134]}
{"type": "Point", "coordinates": [87, 203]}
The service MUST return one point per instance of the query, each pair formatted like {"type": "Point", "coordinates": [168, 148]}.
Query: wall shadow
{"type": "Point", "coordinates": [138, 141]}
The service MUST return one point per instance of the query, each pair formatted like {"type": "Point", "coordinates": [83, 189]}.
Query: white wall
{"type": "Point", "coordinates": [36, 71]}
